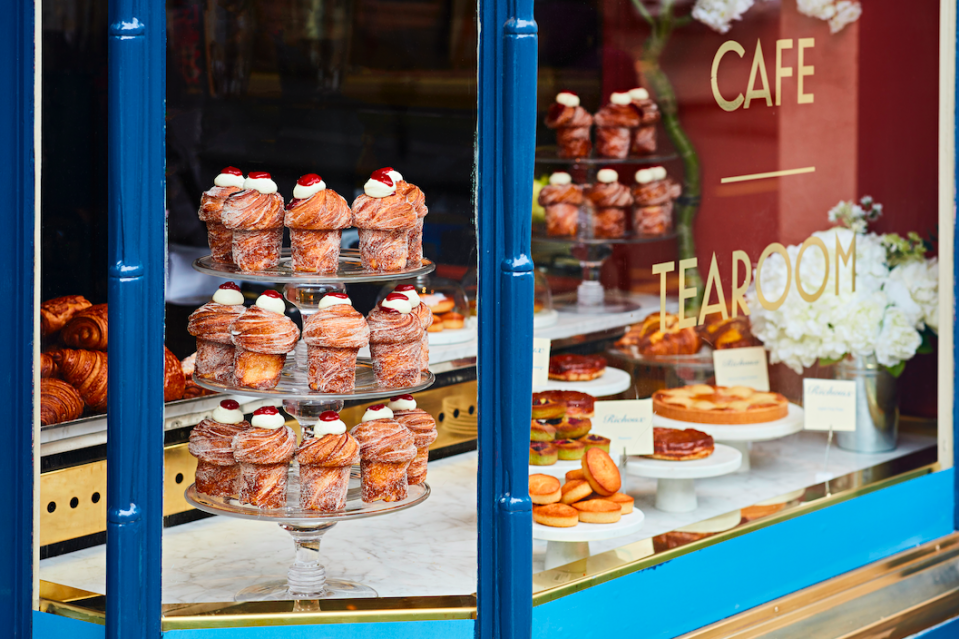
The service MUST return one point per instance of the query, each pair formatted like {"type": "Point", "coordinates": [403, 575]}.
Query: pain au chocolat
{"type": "Point", "coordinates": [672, 444]}
{"type": "Point", "coordinates": [704, 404]}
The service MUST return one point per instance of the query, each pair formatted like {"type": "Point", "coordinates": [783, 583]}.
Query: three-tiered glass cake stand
{"type": "Point", "coordinates": [306, 577]}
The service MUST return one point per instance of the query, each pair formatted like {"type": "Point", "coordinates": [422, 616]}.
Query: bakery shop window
{"type": "Point", "coordinates": [751, 255]}
{"type": "Point", "coordinates": [320, 294]}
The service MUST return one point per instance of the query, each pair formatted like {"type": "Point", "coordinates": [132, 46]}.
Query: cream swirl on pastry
{"type": "Point", "coordinates": [267, 417]}
{"type": "Point", "coordinates": [230, 176]}
{"type": "Point", "coordinates": [377, 411]}
{"type": "Point", "coordinates": [228, 294]}
{"type": "Point", "coordinates": [228, 412]}
{"type": "Point", "coordinates": [308, 185]}
{"type": "Point", "coordinates": [271, 301]}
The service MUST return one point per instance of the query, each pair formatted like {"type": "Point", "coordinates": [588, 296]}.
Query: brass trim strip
{"type": "Point", "coordinates": [768, 174]}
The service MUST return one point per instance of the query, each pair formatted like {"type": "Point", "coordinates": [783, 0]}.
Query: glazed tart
{"type": "Point", "coordinates": [673, 444]}
{"type": "Point", "coordinates": [573, 428]}
{"type": "Point", "coordinates": [570, 449]}
{"type": "Point", "coordinates": [577, 404]}
{"type": "Point", "coordinates": [548, 408]}
{"type": "Point", "coordinates": [542, 454]}
{"type": "Point", "coordinates": [595, 441]}
{"type": "Point", "coordinates": [702, 404]}
{"type": "Point", "coordinates": [576, 368]}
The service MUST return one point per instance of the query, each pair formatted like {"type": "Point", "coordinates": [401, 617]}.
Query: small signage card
{"type": "Point", "coordinates": [829, 404]}
{"type": "Point", "coordinates": [540, 361]}
{"type": "Point", "coordinates": [628, 423]}
{"type": "Point", "coordinates": [742, 367]}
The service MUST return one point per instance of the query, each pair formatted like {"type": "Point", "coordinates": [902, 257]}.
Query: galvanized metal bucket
{"type": "Point", "coordinates": [877, 406]}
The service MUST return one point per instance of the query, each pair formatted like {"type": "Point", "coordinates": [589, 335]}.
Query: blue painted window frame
{"type": "Point", "coordinates": [507, 90]}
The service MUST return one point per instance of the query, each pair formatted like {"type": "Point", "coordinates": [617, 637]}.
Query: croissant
{"type": "Point", "coordinates": [333, 336]}
{"type": "Point", "coordinates": [656, 192]}
{"type": "Point", "coordinates": [86, 371]}
{"type": "Point", "coordinates": [384, 228]}
{"type": "Point", "coordinates": [653, 342]}
{"type": "Point", "coordinates": [59, 402]}
{"type": "Point", "coordinates": [315, 225]}
{"type": "Point", "coordinates": [610, 203]}
{"type": "Point", "coordinates": [191, 388]}
{"type": "Point", "coordinates": [422, 427]}
{"type": "Point", "coordinates": [87, 329]}
{"type": "Point", "coordinates": [613, 125]}
{"type": "Point", "coordinates": [386, 450]}
{"type": "Point", "coordinates": [262, 339]}
{"type": "Point", "coordinates": [572, 126]}
{"type": "Point", "coordinates": [264, 456]}
{"type": "Point", "coordinates": [417, 199]}
{"type": "Point", "coordinates": [562, 203]}
{"type": "Point", "coordinates": [396, 347]}
{"type": "Point", "coordinates": [55, 313]}
{"type": "Point", "coordinates": [656, 219]}
{"type": "Point", "coordinates": [256, 220]}
{"type": "Point", "coordinates": [219, 237]}
{"type": "Point", "coordinates": [210, 325]}
{"type": "Point", "coordinates": [174, 381]}
{"type": "Point", "coordinates": [643, 139]}
{"type": "Point", "coordinates": [325, 465]}
{"type": "Point", "coordinates": [425, 315]}
{"type": "Point", "coordinates": [211, 442]}
{"type": "Point", "coordinates": [48, 367]}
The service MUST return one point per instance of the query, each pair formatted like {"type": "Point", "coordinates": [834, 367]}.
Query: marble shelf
{"type": "Point", "coordinates": [431, 549]}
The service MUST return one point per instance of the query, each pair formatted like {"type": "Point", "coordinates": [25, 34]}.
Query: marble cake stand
{"type": "Point", "coordinates": [675, 488]}
{"type": "Point", "coordinates": [611, 382]}
{"type": "Point", "coordinates": [565, 545]}
{"type": "Point", "coordinates": [740, 436]}
{"type": "Point", "coordinates": [306, 577]}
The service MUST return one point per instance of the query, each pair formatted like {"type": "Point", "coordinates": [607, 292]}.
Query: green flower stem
{"type": "Point", "coordinates": [662, 26]}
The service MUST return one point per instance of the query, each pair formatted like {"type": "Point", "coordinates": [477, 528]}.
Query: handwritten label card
{"type": "Point", "coordinates": [742, 367]}
{"type": "Point", "coordinates": [540, 361]}
{"type": "Point", "coordinates": [628, 423]}
{"type": "Point", "coordinates": [829, 404]}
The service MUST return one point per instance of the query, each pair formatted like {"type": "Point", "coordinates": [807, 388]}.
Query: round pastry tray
{"type": "Point", "coordinates": [294, 384]}
{"type": "Point", "coordinates": [453, 336]}
{"type": "Point", "coordinates": [539, 235]}
{"type": "Point", "coordinates": [350, 270]}
{"type": "Point", "coordinates": [627, 525]}
{"type": "Point", "coordinates": [724, 460]}
{"type": "Point", "coordinates": [355, 508]}
{"type": "Point", "coordinates": [548, 155]}
{"type": "Point", "coordinates": [763, 431]}
{"type": "Point", "coordinates": [611, 382]}
{"type": "Point", "coordinates": [701, 361]}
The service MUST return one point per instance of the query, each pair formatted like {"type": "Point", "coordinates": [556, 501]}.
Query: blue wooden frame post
{"type": "Point", "coordinates": [17, 252]}
{"type": "Point", "coordinates": [506, 139]}
{"type": "Point", "coordinates": [137, 50]}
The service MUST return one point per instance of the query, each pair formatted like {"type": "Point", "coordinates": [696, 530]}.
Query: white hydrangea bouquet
{"type": "Point", "coordinates": [889, 313]}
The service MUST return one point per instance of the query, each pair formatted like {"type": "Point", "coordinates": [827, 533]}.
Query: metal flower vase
{"type": "Point", "coordinates": [877, 406]}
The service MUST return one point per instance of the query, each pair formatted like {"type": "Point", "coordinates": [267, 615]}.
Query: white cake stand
{"type": "Point", "coordinates": [453, 336]}
{"type": "Point", "coordinates": [545, 318]}
{"type": "Point", "coordinates": [565, 545]}
{"type": "Point", "coordinates": [740, 436]}
{"type": "Point", "coordinates": [675, 489]}
{"type": "Point", "coordinates": [611, 382]}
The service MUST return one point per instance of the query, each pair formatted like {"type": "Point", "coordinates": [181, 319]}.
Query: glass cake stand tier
{"type": "Point", "coordinates": [539, 235]}
{"type": "Point", "coordinates": [306, 577]}
{"type": "Point", "coordinates": [548, 155]}
{"type": "Point", "coordinates": [351, 270]}
{"type": "Point", "coordinates": [294, 385]}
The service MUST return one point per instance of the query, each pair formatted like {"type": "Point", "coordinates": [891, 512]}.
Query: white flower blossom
{"type": "Point", "coordinates": [719, 14]}
{"type": "Point", "coordinates": [898, 339]}
{"type": "Point", "coordinates": [838, 13]}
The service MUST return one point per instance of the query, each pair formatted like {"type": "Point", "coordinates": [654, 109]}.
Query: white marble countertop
{"type": "Point", "coordinates": [431, 549]}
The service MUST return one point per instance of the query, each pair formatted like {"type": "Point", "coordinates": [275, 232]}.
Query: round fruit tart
{"type": "Point", "coordinates": [702, 404]}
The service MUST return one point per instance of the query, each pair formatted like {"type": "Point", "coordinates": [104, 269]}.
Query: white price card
{"type": "Point", "coordinates": [540, 361]}
{"type": "Point", "coordinates": [742, 367]}
{"type": "Point", "coordinates": [829, 404]}
{"type": "Point", "coordinates": [628, 423]}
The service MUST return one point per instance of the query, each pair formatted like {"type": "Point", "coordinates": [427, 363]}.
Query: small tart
{"type": "Point", "coordinates": [541, 432]}
{"type": "Point", "coordinates": [601, 472]}
{"type": "Point", "coordinates": [703, 404]}
{"type": "Point", "coordinates": [436, 326]}
{"type": "Point", "coordinates": [595, 441]}
{"type": "Point", "coordinates": [576, 368]}
{"type": "Point", "coordinates": [452, 321]}
{"type": "Point", "coordinates": [625, 502]}
{"type": "Point", "coordinates": [673, 444]}
{"type": "Point", "coordinates": [570, 449]}
{"type": "Point", "coordinates": [556, 515]}
{"type": "Point", "coordinates": [573, 428]}
{"type": "Point", "coordinates": [542, 454]}
{"type": "Point", "coordinates": [576, 473]}
{"type": "Point", "coordinates": [598, 511]}
{"type": "Point", "coordinates": [544, 489]}
{"type": "Point", "coordinates": [577, 404]}
{"type": "Point", "coordinates": [548, 409]}
{"type": "Point", "coordinates": [575, 490]}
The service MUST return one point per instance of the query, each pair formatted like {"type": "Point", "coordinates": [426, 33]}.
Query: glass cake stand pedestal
{"type": "Point", "coordinates": [306, 577]}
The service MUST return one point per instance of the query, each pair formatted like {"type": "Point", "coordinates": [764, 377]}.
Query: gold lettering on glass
{"type": "Point", "coordinates": [803, 71]}
{"type": "Point", "coordinates": [781, 71]}
{"type": "Point", "coordinates": [739, 290]}
{"type": "Point", "coordinates": [685, 294]}
{"type": "Point", "coordinates": [844, 256]}
{"type": "Point", "coordinates": [726, 47]}
{"type": "Point", "coordinates": [813, 241]}
{"type": "Point", "coordinates": [752, 93]}
{"type": "Point", "coordinates": [713, 280]}
{"type": "Point", "coordinates": [775, 247]}
{"type": "Point", "coordinates": [662, 268]}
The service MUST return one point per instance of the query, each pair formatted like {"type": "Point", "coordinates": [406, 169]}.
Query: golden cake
{"type": "Point", "coordinates": [702, 404]}
{"type": "Point", "coordinates": [672, 444]}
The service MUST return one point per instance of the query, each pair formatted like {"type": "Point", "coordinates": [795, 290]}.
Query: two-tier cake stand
{"type": "Point", "coordinates": [306, 577]}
